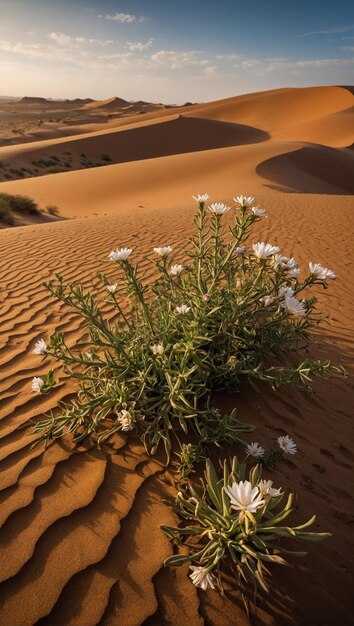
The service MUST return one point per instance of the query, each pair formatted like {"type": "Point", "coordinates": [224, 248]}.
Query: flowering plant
{"type": "Point", "coordinates": [234, 522]}
{"type": "Point", "coordinates": [208, 323]}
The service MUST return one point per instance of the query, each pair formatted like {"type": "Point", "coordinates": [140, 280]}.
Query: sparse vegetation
{"type": "Point", "coordinates": [20, 204]}
{"type": "Point", "coordinates": [13, 205]}
{"type": "Point", "coordinates": [234, 523]}
{"type": "Point", "coordinates": [52, 210]}
{"type": "Point", "coordinates": [5, 212]}
{"type": "Point", "coordinates": [206, 326]}
{"type": "Point", "coordinates": [55, 169]}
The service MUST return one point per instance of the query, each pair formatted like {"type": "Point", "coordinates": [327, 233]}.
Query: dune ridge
{"type": "Point", "coordinates": [80, 542]}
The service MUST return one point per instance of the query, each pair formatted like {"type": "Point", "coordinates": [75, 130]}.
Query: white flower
{"type": "Point", "coordinates": [201, 577]}
{"type": "Point", "coordinates": [266, 489]}
{"type": "Point", "coordinates": [263, 250]}
{"type": "Point", "coordinates": [291, 263]}
{"type": "Point", "coordinates": [267, 300]}
{"type": "Point", "coordinates": [218, 208]}
{"type": "Point", "coordinates": [183, 309]}
{"type": "Point", "coordinates": [112, 288]}
{"type": "Point", "coordinates": [294, 306]}
{"type": "Point", "coordinates": [89, 356]}
{"type": "Point", "coordinates": [120, 254]}
{"type": "Point", "coordinates": [285, 292]}
{"type": "Point", "coordinates": [287, 444]}
{"type": "Point", "coordinates": [37, 384]}
{"type": "Point", "coordinates": [254, 449]}
{"type": "Point", "coordinates": [125, 419]}
{"type": "Point", "coordinates": [244, 497]}
{"type": "Point", "coordinates": [244, 201]}
{"type": "Point", "coordinates": [240, 250]}
{"type": "Point", "coordinates": [258, 212]}
{"type": "Point", "coordinates": [163, 251]}
{"type": "Point", "coordinates": [157, 348]}
{"type": "Point", "coordinates": [205, 297]}
{"type": "Point", "coordinates": [294, 272]}
{"type": "Point", "coordinates": [40, 347]}
{"type": "Point", "coordinates": [201, 197]}
{"type": "Point", "coordinates": [176, 269]}
{"type": "Point", "coordinates": [322, 273]}
{"type": "Point", "coordinates": [280, 261]}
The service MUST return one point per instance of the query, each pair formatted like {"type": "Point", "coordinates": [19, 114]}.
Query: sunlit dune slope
{"type": "Point", "coordinates": [240, 136]}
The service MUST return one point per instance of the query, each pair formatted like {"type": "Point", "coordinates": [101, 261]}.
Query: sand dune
{"type": "Point", "coordinates": [78, 525]}
{"type": "Point", "coordinates": [110, 103]}
{"type": "Point", "coordinates": [312, 169]}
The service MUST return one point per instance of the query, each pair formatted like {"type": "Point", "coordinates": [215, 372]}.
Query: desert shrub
{"type": "Point", "coordinates": [213, 323]}
{"type": "Point", "coordinates": [54, 157]}
{"type": "Point", "coordinates": [45, 162]}
{"type": "Point", "coordinates": [52, 210]}
{"type": "Point", "coordinates": [21, 204]}
{"type": "Point", "coordinates": [56, 169]}
{"type": "Point", "coordinates": [67, 164]}
{"type": "Point", "coordinates": [5, 213]}
{"type": "Point", "coordinates": [234, 523]}
{"type": "Point", "coordinates": [106, 157]}
{"type": "Point", "coordinates": [16, 172]}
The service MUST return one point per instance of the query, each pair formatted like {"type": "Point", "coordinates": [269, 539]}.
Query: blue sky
{"type": "Point", "coordinates": [172, 50]}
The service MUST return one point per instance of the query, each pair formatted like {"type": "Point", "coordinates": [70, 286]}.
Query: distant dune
{"type": "Point", "coordinates": [262, 139]}
{"type": "Point", "coordinates": [110, 103]}
{"type": "Point", "coordinates": [32, 100]}
{"type": "Point", "coordinates": [80, 543]}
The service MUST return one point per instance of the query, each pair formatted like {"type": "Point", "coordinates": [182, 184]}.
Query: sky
{"type": "Point", "coordinates": [172, 51]}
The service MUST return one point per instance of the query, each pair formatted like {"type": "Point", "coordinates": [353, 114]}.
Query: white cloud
{"type": "Point", "coordinates": [329, 31]}
{"type": "Point", "coordinates": [228, 57]}
{"type": "Point", "coordinates": [139, 45]}
{"type": "Point", "coordinates": [348, 48]}
{"type": "Point", "coordinates": [175, 60]}
{"type": "Point", "coordinates": [309, 64]}
{"type": "Point", "coordinates": [249, 63]}
{"type": "Point", "coordinates": [66, 40]}
{"type": "Point", "coordinates": [76, 57]}
{"type": "Point", "coordinates": [122, 18]}
{"type": "Point", "coordinates": [211, 70]}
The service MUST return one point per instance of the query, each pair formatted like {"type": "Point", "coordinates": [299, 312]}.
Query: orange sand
{"type": "Point", "coordinates": [80, 541]}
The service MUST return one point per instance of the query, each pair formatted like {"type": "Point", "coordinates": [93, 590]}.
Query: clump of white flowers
{"type": "Point", "coordinates": [220, 312]}
{"type": "Point", "coordinates": [234, 522]}
{"type": "Point", "coordinates": [284, 445]}
{"type": "Point", "coordinates": [120, 254]}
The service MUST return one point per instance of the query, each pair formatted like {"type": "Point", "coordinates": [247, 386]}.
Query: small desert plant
{"type": "Point", "coordinates": [21, 204]}
{"type": "Point", "coordinates": [52, 210]}
{"type": "Point", "coordinates": [5, 213]}
{"type": "Point", "coordinates": [234, 523]}
{"type": "Point", "coordinates": [210, 324]}
{"type": "Point", "coordinates": [56, 169]}
{"type": "Point", "coordinates": [16, 172]}
{"type": "Point", "coordinates": [106, 157]}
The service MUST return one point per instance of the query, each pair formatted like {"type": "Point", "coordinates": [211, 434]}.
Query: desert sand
{"type": "Point", "coordinates": [80, 542]}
